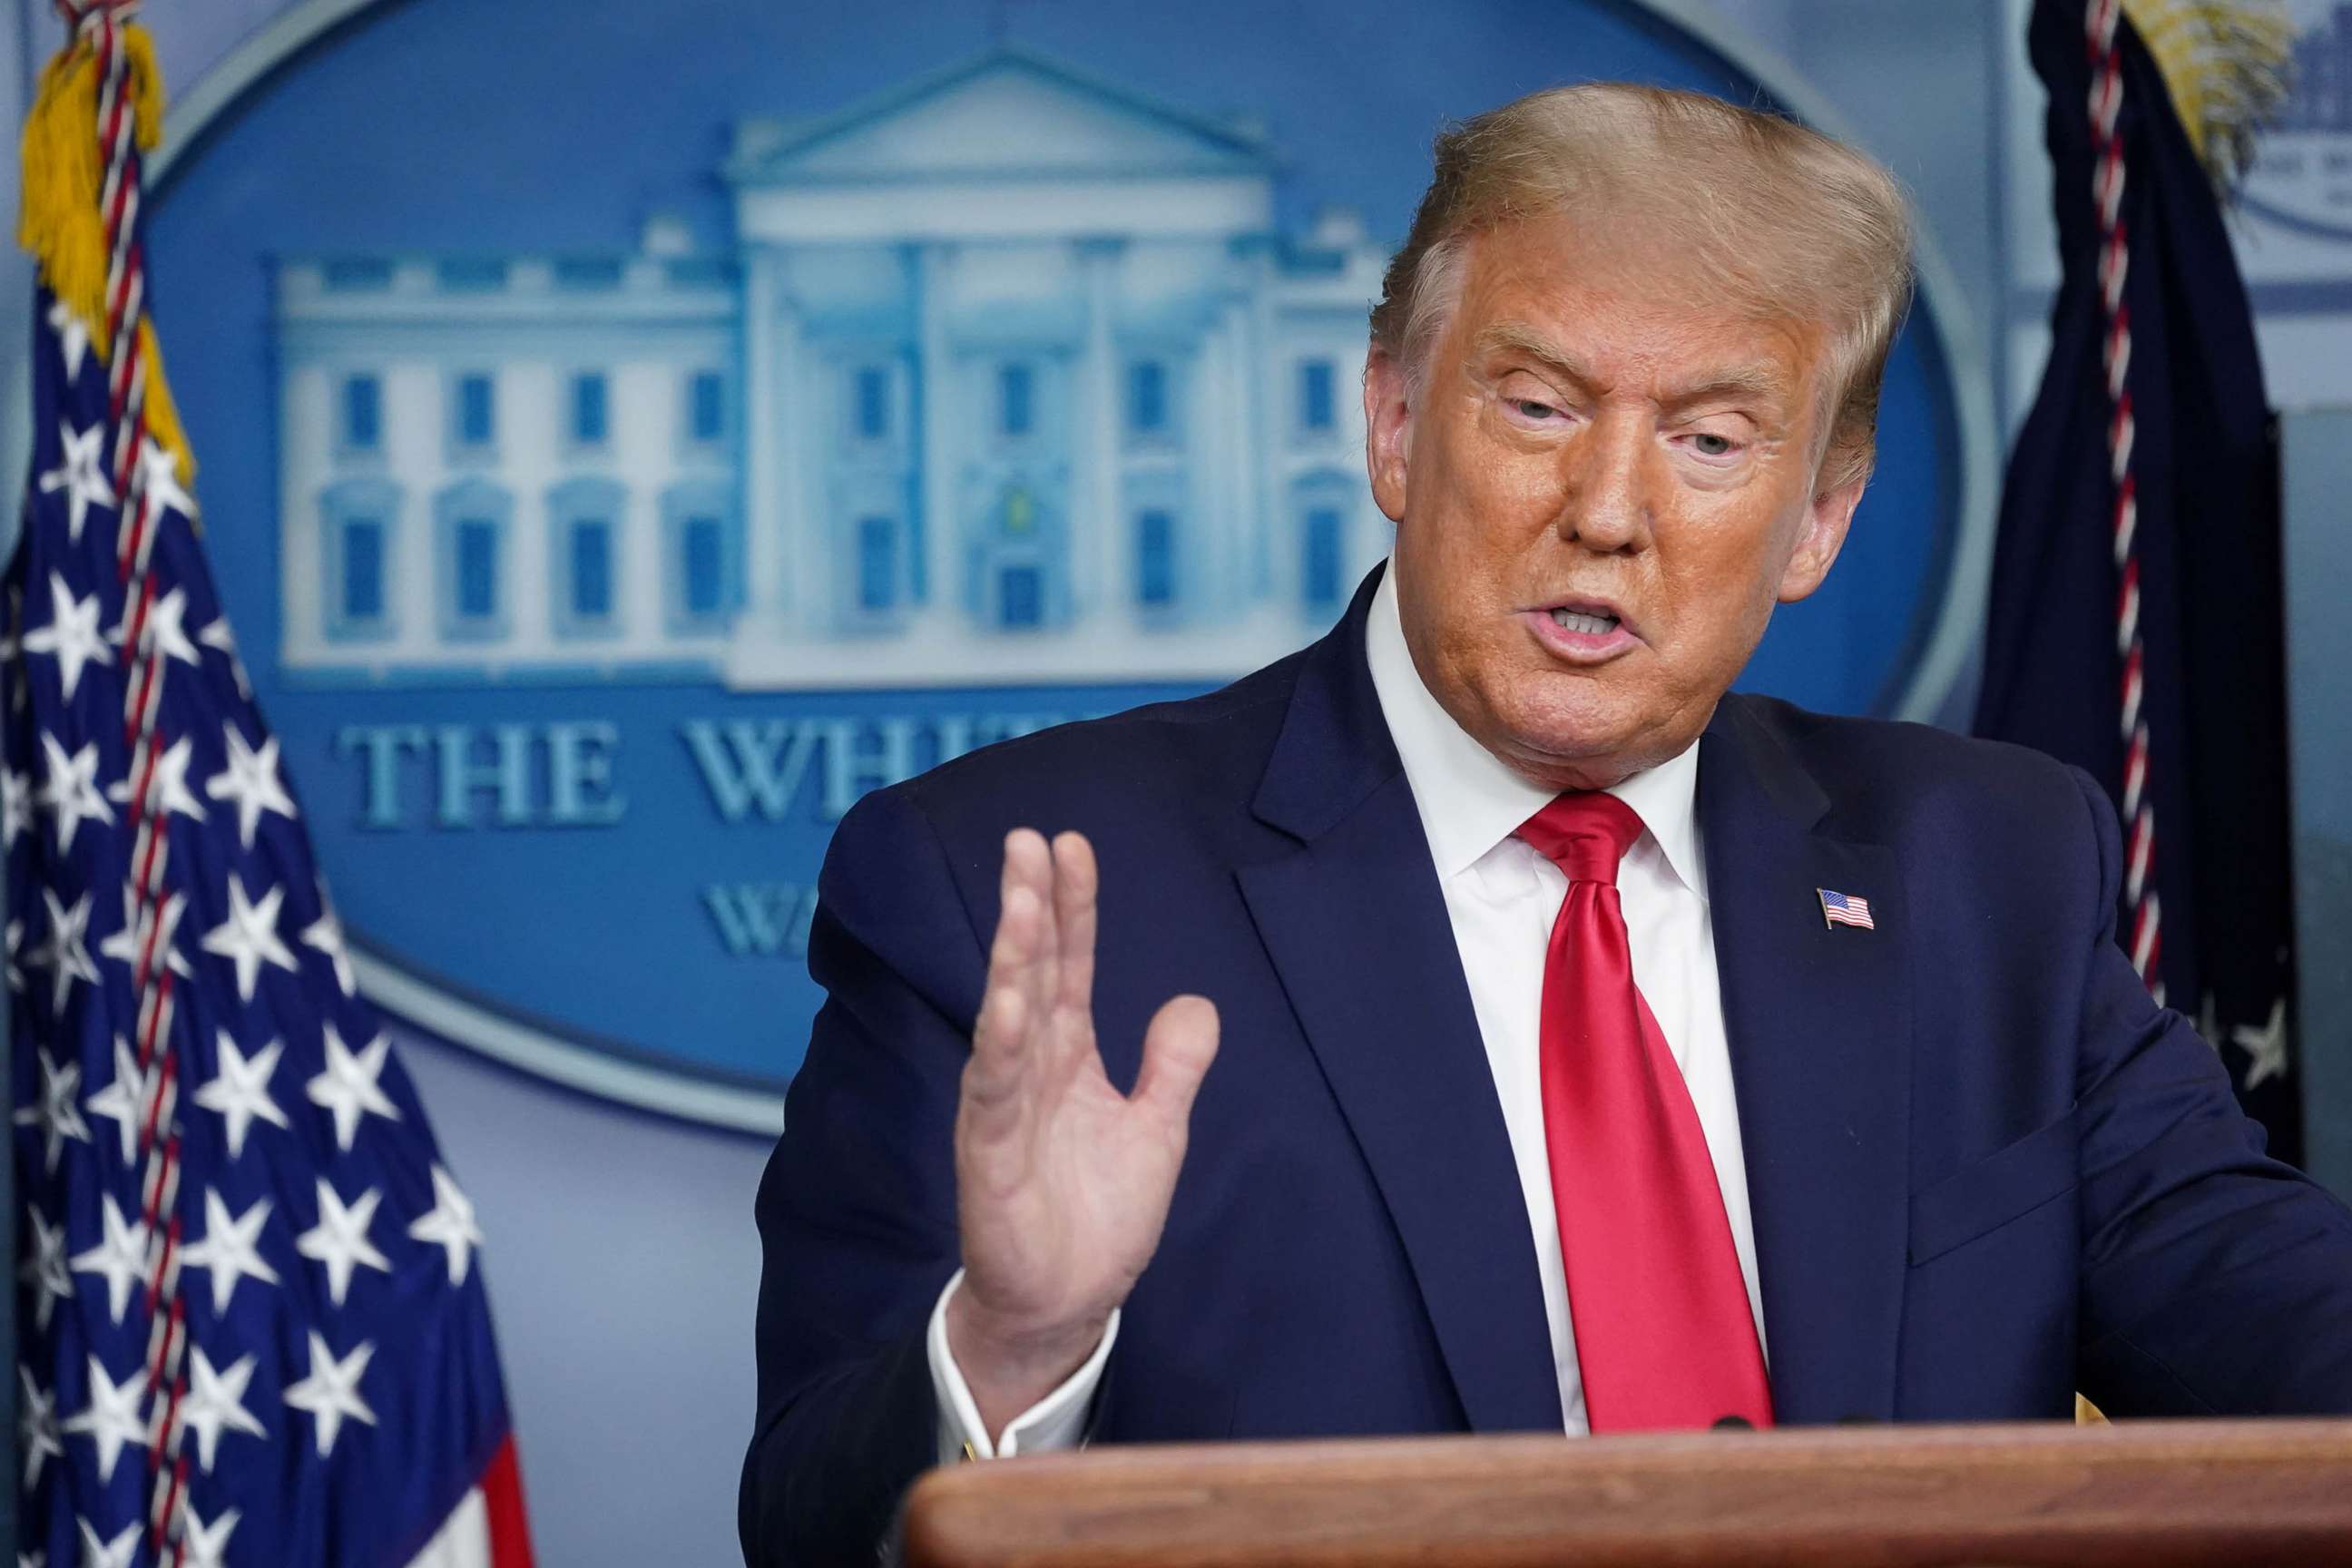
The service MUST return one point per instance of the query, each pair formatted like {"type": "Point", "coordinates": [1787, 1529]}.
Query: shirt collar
{"type": "Point", "coordinates": [1470, 800]}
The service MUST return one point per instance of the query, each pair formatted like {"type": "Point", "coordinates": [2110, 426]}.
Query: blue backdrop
{"type": "Point", "coordinates": [622, 1263]}
{"type": "Point", "coordinates": [606, 859]}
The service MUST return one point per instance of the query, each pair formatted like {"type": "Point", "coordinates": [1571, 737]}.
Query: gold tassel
{"type": "Point", "coordinates": [59, 222]}
{"type": "Point", "coordinates": [2226, 64]}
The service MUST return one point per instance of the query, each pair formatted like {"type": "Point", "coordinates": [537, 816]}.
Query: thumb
{"type": "Point", "coordinates": [1177, 1050]}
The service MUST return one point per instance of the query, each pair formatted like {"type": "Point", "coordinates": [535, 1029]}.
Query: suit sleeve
{"type": "Point", "coordinates": [2214, 1280]}
{"type": "Point", "coordinates": [856, 1211]}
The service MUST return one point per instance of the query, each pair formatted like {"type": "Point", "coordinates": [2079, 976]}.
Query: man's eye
{"type": "Point", "coordinates": [1529, 408]}
{"type": "Point", "coordinates": [1712, 444]}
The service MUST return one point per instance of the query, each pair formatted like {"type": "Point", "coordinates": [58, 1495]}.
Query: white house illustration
{"type": "Point", "coordinates": [1010, 377]}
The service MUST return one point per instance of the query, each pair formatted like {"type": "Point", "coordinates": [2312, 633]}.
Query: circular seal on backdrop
{"type": "Point", "coordinates": [628, 436]}
{"type": "Point", "coordinates": [2301, 179]}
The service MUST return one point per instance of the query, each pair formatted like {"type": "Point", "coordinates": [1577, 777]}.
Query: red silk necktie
{"type": "Point", "coordinates": [1664, 1335]}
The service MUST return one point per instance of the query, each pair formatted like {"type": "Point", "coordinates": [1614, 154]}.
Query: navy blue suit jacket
{"type": "Point", "coordinates": [1985, 1170]}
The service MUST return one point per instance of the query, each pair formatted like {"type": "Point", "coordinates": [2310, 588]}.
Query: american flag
{"type": "Point", "coordinates": [1844, 909]}
{"type": "Point", "coordinates": [251, 1323]}
{"type": "Point", "coordinates": [2133, 626]}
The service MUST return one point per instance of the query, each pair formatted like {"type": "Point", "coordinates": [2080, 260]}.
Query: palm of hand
{"type": "Point", "coordinates": [1063, 1182]}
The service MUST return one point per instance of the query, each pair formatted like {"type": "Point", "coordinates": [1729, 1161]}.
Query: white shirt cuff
{"type": "Point", "coordinates": [1057, 1421]}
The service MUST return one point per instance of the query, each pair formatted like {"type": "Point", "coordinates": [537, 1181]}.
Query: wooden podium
{"type": "Point", "coordinates": [2137, 1495]}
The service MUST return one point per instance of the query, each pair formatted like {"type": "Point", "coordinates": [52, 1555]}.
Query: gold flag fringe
{"type": "Point", "coordinates": [60, 222]}
{"type": "Point", "coordinates": [2226, 64]}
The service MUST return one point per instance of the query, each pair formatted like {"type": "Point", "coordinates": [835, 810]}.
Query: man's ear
{"type": "Point", "coordinates": [1827, 517]}
{"type": "Point", "coordinates": [1388, 430]}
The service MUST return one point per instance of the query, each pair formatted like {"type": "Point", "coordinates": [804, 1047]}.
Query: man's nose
{"type": "Point", "coordinates": [1609, 488]}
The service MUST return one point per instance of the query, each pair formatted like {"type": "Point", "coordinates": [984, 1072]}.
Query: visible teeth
{"type": "Point", "coordinates": [1591, 626]}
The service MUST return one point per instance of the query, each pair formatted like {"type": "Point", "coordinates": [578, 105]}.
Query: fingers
{"type": "Point", "coordinates": [1008, 1003]}
{"type": "Point", "coordinates": [1003, 1019]}
{"type": "Point", "coordinates": [1074, 886]}
{"type": "Point", "coordinates": [1177, 1050]}
{"type": "Point", "coordinates": [1026, 899]}
{"type": "Point", "coordinates": [999, 1033]}
{"type": "Point", "coordinates": [1020, 911]}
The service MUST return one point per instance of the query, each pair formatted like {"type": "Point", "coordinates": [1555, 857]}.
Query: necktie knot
{"type": "Point", "coordinates": [1585, 833]}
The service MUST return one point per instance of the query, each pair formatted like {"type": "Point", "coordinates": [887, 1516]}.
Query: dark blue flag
{"type": "Point", "coordinates": [251, 1324]}
{"type": "Point", "coordinates": [2135, 622]}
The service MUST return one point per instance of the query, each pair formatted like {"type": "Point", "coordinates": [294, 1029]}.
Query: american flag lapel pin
{"type": "Point", "coordinates": [1844, 909]}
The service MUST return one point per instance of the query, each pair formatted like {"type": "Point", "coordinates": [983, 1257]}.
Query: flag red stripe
{"type": "Point", "coordinates": [502, 1502]}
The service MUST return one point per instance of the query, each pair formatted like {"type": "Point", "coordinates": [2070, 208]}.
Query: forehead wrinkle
{"type": "Point", "coordinates": [1517, 337]}
{"type": "Point", "coordinates": [1759, 380]}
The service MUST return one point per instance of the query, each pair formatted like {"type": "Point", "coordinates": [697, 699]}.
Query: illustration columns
{"type": "Point", "coordinates": [943, 584]}
{"type": "Point", "coordinates": [1100, 566]}
{"type": "Point", "coordinates": [778, 600]}
{"type": "Point", "coordinates": [764, 567]}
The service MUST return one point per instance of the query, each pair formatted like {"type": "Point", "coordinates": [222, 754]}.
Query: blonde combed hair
{"type": "Point", "coordinates": [1792, 224]}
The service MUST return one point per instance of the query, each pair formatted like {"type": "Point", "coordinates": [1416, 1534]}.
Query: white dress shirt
{"type": "Point", "coordinates": [1502, 898]}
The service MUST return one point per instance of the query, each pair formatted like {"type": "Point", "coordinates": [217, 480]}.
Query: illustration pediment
{"type": "Point", "coordinates": [1007, 115]}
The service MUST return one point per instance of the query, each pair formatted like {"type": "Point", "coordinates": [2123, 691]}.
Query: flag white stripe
{"type": "Point", "coordinates": [464, 1539]}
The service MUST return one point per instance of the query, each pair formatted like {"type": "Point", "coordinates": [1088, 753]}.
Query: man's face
{"type": "Point", "coordinates": [1601, 490]}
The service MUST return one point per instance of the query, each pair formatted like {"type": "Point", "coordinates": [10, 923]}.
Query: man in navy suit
{"type": "Point", "coordinates": [1479, 1021]}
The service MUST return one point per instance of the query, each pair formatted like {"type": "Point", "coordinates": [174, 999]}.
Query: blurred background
{"type": "Point", "coordinates": [628, 432]}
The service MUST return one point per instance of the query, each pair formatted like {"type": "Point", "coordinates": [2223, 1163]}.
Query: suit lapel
{"type": "Point", "coordinates": [1820, 1028]}
{"type": "Point", "coordinates": [1355, 923]}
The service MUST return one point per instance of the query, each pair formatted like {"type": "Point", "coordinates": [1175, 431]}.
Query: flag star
{"type": "Point", "coordinates": [71, 637]}
{"type": "Point", "coordinates": [36, 1426]}
{"type": "Point", "coordinates": [215, 1403]}
{"type": "Point", "coordinates": [249, 937]}
{"type": "Point", "coordinates": [161, 628]}
{"type": "Point", "coordinates": [45, 1271]}
{"type": "Point", "coordinates": [123, 1101]}
{"type": "Point", "coordinates": [73, 335]}
{"type": "Point", "coordinates": [217, 636]}
{"type": "Point", "coordinates": [326, 934]}
{"type": "Point", "coordinates": [348, 1088]}
{"type": "Point", "coordinates": [15, 937]}
{"type": "Point", "coordinates": [241, 1091]}
{"type": "Point", "coordinates": [205, 1546]}
{"type": "Point", "coordinates": [2265, 1043]}
{"type": "Point", "coordinates": [449, 1224]}
{"type": "Point", "coordinates": [167, 785]}
{"type": "Point", "coordinates": [121, 1257]}
{"type": "Point", "coordinates": [122, 1552]}
{"type": "Point", "coordinates": [82, 475]}
{"type": "Point", "coordinates": [57, 1115]}
{"type": "Point", "coordinates": [340, 1239]}
{"type": "Point", "coordinates": [65, 954]}
{"type": "Point", "coordinates": [250, 780]}
{"type": "Point", "coordinates": [72, 788]}
{"type": "Point", "coordinates": [15, 805]}
{"type": "Point", "coordinates": [127, 945]}
{"type": "Point", "coordinates": [332, 1390]}
{"type": "Point", "coordinates": [230, 1249]}
{"type": "Point", "coordinates": [158, 473]}
{"type": "Point", "coordinates": [113, 1417]}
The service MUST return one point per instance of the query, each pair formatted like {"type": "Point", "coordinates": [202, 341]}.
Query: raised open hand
{"type": "Point", "coordinates": [1062, 1181]}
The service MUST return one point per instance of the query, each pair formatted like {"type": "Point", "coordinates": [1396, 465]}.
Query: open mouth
{"type": "Point", "coordinates": [1582, 631]}
{"type": "Point", "coordinates": [1588, 623]}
